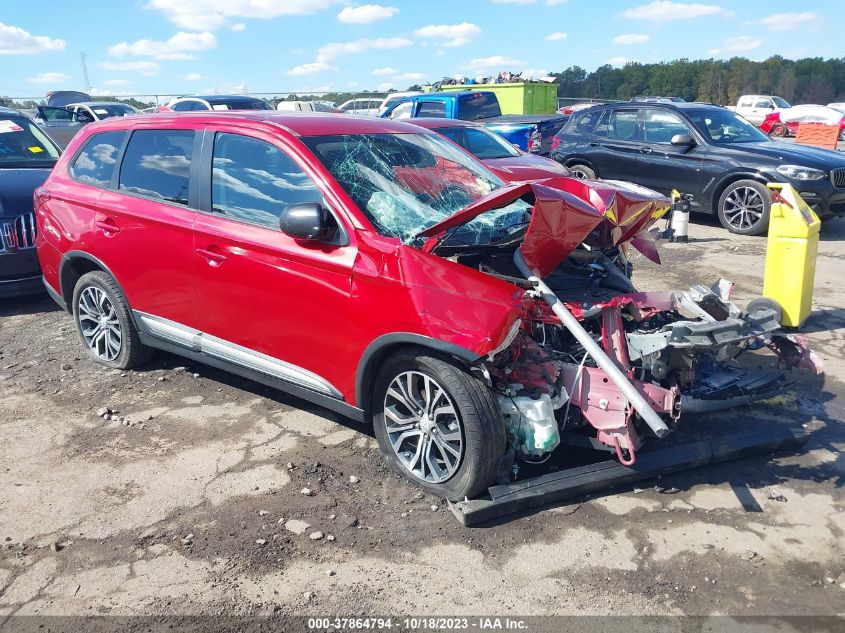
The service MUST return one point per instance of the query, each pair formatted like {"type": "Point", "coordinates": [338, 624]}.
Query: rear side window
{"type": "Point", "coordinates": [95, 164]}
{"type": "Point", "coordinates": [584, 124]}
{"type": "Point", "coordinates": [619, 124]}
{"type": "Point", "coordinates": [433, 109]}
{"type": "Point", "coordinates": [480, 105]}
{"type": "Point", "coordinates": [157, 164]}
{"type": "Point", "coordinates": [184, 106]}
{"type": "Point", "coordinates": [253, 181]}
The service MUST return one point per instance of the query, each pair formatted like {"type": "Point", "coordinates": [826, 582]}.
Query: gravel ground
{"type": "Point", "coordinates": [191, 498]}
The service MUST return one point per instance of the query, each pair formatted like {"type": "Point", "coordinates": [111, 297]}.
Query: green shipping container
{"type": "Point", "coordinates": [532, 98]}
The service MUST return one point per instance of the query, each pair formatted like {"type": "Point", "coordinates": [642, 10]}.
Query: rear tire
{"type": "Point", "coordinates": [779, 130]}
{"type": "Point", "coordinates": [582, 171]}
{"type": "Point", "coordinates": [743, 208]}
{"type": "Point", "coordinates": [104, 323]}
{"type": "Point", "coordinates": [437, 425]}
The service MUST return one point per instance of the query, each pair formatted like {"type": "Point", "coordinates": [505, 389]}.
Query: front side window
{"type": "Point", "coordinates": [781, 103]}
{"type": "Point", "coordinates": [253, 181]}
{"type": "Point", "coordinates": [22, 143]}
{"type": "Point", "coordinates": [402, 111]}
{"type": "Point", "coordinates": [619, 124]}
{"type": "Point", "coordinates": [659, 126]}
{"type": "Point", "coordinates": [157, 165]}
{"type": "Point", "coordinates": [479, 142]}
{"type": "Point", "coordinates": [721, 126]}
{"type": "Point", "coordinates": [94, 165]}
{"type": "Point", "coordinates": [432, 109]}
{"type": "Point", "coordinates": [406, 183]}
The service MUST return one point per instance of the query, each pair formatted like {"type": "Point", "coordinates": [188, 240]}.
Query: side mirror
{"type": "Point", "coordinates": [305, 221]}
{"type": "Point", "coordinates": [684, 140]}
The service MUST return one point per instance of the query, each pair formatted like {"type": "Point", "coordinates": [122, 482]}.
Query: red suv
{"type": "Point", "coordinates": [377, 269]}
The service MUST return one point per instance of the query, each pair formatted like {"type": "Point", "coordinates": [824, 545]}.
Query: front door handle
{"type": "Point", "coordinates": [108, 226]}
{"type": "Point", "coordinates": [646, 150]}
{"type": "Point", "coordinates": [594, 144]}
{"type": "Point", "coordinates": [213, 257]}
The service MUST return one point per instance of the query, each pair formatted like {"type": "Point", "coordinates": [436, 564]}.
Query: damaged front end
{"type": "Point", "coordinates": [593, 362]}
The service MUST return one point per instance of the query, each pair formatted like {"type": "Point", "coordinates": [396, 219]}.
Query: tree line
{"type": "Point", "coordinates": [808, 80]}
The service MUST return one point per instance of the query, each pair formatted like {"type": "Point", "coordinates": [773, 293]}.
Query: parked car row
{"type": "Point", "coordinates": [707, 151]}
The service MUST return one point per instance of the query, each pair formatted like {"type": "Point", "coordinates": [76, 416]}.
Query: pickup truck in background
{"type": "Point", "coordinates": [529, 132]}
{"type": "Point", "coordinates": [755, 108]}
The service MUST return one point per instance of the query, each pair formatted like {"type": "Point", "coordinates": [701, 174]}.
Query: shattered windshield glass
{"type": "Point", "coordinates": [406, 183]}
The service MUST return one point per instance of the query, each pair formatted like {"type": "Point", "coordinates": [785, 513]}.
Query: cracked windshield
{"type": "Point", "coordinates": [406, 183]}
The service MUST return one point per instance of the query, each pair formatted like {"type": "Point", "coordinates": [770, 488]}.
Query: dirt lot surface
{"type": "Point", "coordinates": [195, 502]}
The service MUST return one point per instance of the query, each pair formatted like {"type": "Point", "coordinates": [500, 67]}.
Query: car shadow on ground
{"type": "Point", "coordinates": [823, 321]}
{"type": "Point", "coordinates": [167, 361]}
{"type": "Point", "coordinates": [30, 304]}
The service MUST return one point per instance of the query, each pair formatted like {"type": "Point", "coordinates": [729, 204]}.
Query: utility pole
{"type": "Point", "coordinates": [85, 72]}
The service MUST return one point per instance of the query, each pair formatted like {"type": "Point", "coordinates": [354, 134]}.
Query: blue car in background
{"type": "Point", "coordinates": [529, 132]}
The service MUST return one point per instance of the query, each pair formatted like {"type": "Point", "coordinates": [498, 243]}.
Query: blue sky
{"type": "Point", "coordinates": [195, 46]}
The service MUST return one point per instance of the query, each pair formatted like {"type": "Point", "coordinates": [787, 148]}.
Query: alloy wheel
{"type": "Point", "coordinates": [578, 173]}
{"type": "Point", "coordinates": [99, 324]}
{"type": "Point", "coordinates": [744, 208]}
{"type": "Point", "coordinates": [423, 427]}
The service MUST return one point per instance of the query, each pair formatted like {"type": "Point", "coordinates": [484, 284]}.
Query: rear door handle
{"type": "Point", "coordinates": [213, 257]}
{"type": "Point", "coordinates": [594, 144]}
{"type": "Point", "coordinates": [108, 226]}
{"type": "Point", "coordinates": [646, 150]}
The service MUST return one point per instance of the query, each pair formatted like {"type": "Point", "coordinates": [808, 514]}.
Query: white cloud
{"type": "Point", "coordinates": [551, 3]}
{"type": "Point", "coordinates": [450, 34]}
{"type": "Point", "coordinates": [193, 77]}
{"type": "Point", "coordinates": [334, 50]}
{"type": "Point", "coordinates": [387, 70]}
{"type": "Point", "coordinates": [713, 52]}
{"type": "Point", "coordinates": [494, 62]}
{"type": "Point", "coordinates": [366, 14]}
{"type": "Point", "coordinates": [412, 77]}
{"type": "Point", "coordinates": [352, 84]}
{"type": "Point", "coordinates": [15, 41]}
{"type": "Point", "coordinates": [179, 47]}
{"type": "Point", "coordinates": [48, 78]}
{"type": "Point", "coordinates": [556, 37]}
{"type": "Point", "coordinates": [240, 26]}
{"type": "Point", "coordinates": [108, 92]}
{"type": "Point", "coordinates": [200, 15]}
{"type": "Point", "coordinates": [666, 11]}
{"type": "Point", "coordinates": [115, 82]}
{"type": "Point", "coordinates": [311, 68]}
{"type": "Point", "coordinates": [147, 69]}
{"type": "Point", "coordinates": [742, 43]}
{"type": "Point", "coordinates": [534, 73]}
{"type": "Point", "coordinates": [787, 21]}
{"type": "Point", "coordinates": [617, 61]}
{"type": "Point", "coordinates": [631, 38]}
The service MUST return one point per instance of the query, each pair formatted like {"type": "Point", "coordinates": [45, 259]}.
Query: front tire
{"type": "Point", "coordinates": [744, 206]}
{"type": "Point", "coordinates": [104, 324]}
{"type": "Point", "coordinates": [437, 425]}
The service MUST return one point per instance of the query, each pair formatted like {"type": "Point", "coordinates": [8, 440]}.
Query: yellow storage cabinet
{"type": "Point", "coordinates": [791, 253]}
{"type": "Point", "coordinates": [518, 98]}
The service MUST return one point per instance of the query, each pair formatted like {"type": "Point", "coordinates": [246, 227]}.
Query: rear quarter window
{"type": "Point", "coordinates": [94, 164]}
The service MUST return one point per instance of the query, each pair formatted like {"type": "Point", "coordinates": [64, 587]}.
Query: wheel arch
{"type": "Point", "coordinates": [578, 159]}
{"type": "Point", "coordinates": [389, 344]}
{"type": "Point", "coordinates": [74, 264]}
{"type": "Point", "coordinates": [730, 179]}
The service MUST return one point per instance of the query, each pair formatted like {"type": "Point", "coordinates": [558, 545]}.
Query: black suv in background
{"type": "Point", "coordinates": [26, 157]}
{"type": "Point", "coordinates": [700, 149]}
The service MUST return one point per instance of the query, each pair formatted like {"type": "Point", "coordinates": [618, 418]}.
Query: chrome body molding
{"type": "Point", "coordinates": [204, 343]}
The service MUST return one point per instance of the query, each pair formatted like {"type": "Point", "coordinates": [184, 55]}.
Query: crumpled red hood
{"type": "Point", "coordinates": [567, 212]}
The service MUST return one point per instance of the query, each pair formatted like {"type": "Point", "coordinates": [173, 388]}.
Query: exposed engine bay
{"type": "Point", "coordinates": [595, 363]}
